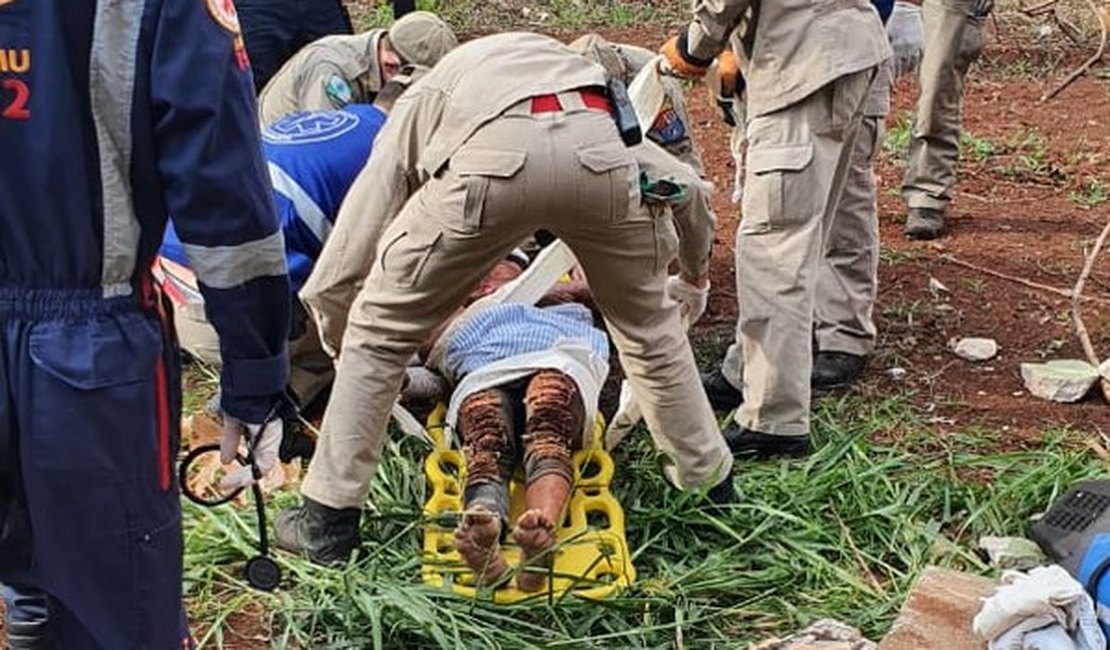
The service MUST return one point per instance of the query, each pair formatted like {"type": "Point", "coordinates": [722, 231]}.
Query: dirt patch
{"type": "Point", "coordinates": [1027, 205]}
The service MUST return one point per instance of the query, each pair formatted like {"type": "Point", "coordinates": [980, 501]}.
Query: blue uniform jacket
{"type": "Point", "coordinates": [114, 115]}
{"type": "Point", "coordinates": [313, 157]}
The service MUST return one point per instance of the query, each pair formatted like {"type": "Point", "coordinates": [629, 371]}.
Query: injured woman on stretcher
{"type": "Point", "coordinates": [526, 381]}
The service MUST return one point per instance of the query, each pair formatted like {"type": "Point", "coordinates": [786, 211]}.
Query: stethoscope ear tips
{"type": "Point", "coordinates": [263, 573]}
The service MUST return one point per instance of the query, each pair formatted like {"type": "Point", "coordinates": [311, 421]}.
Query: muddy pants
{"type": "Point", "coordinates": [848, 283]}
{"type": "Point", "coordinates": [544, 412]}
{"type": "Point", "coordinates": [797, 163]}
{"type": "Point", "coordinates": [90, 523]}
{"type": "Point", "coordinates": [564, 171]}
{"type": "Point", "coordinates": [953, 41]}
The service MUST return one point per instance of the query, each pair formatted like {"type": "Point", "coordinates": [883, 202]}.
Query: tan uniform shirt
{"type": "Point", "coordinates": [302, 84]}
{"type": "Point", "coordinates": [789, 48]}
{"type": "Point", "coordinates": [428, 124]}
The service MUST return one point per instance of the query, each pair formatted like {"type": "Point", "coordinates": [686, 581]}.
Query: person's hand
{"type": "Point", "coordinates": [422, 385]}
{"type": "Point", "coordinates": [678, 62]}
{"type": "Point", "coordinates": [263, 439]}
{"type": "Point", "coordinates": [691, 298]}
{"type": "Point", "coordinates": [907, 37]}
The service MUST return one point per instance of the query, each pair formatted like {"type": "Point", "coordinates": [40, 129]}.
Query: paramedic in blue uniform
{"type": "Point", "coordinates": [312, 159]}
{"type": "Point", "coordinates": [113, 115]}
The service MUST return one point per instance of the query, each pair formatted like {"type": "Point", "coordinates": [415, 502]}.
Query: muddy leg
{"type": "Point", "coordinates": [485, 425]}
{"type": "Point", "coordinates": [554, 415]}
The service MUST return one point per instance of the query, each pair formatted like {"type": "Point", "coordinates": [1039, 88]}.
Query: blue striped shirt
{"type": "Point", "coordinates": [514, 329]}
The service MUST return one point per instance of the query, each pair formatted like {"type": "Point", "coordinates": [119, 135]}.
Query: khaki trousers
{"type": "Point", "coordinates": [953, 41]}
{"type": "Point", "coordinates": [566, 172]}
{"type": "Point", "coordinates": [848, 283]}
{"type": "Point", "coordinates": [797, 163]}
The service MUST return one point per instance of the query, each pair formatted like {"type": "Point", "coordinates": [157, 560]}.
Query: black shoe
{"type": "Point", "coordinates": [745, 442]}
{"type": "Point", "coordinates": [326, 535]}
{"type": "Point", "coordinates": [723, 494]}
{"type": "Point", "coordinates": [835, 369]}
{"type": "Point", "coordinates": [924, 223]}
{"type": "Point", "coordinates": [722, 395]}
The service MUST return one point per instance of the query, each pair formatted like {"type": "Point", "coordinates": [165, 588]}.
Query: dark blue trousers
{"type": "Point", "coordinates": [274, 30]}
{"type": "Point", "coordinates": [89, 413]}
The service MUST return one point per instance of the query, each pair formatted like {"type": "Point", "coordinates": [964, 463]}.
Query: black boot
{"type": "Point", "coordinates": [722, 395]}
{"type": "Point", "coordinates": [723, 495]}
{"type": "Point", "coordinates": [836, 369]}
{"type": "Point", "coordinates": [745, 442]}
{"type": "Point", "coordinates": [924, 223]}
{"type": "Point", "coordinates": [326, 535]}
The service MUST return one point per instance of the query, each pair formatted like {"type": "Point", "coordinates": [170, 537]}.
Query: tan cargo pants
{"type": "Point", "coordinates": [797, 164]}
{"type": "Point", "coordinates": [953, 41]}
{"type": "Point", "coordinates": [848, 283]}
{"type": "Point", "coordinates": [566, 172]}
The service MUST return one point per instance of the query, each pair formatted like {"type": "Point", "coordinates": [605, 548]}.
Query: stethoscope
{"type": "Point", "coordinates": [261, 571]}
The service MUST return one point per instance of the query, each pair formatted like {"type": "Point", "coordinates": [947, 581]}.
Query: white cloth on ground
{"type": "Point", "coordinates": [1045, 609]}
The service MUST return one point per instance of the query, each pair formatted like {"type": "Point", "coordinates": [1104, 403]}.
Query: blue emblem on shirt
{"type": "Point", "coordinates": [306, 127]}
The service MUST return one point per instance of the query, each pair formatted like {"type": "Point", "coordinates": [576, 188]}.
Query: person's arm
{"type": "Point", "coordinates": [324, 88]}
{"type": "Point", "coordinates": [377, 195]}
{"type": "Point", "coordinates": [693, 50]}
{"type": "Point", "coordinates": [218, 192]}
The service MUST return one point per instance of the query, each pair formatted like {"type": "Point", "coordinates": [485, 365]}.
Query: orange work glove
{"type": "Point", "coordinates": [729, 70]}
{"type": "Point", "coordinates": [679, 62]}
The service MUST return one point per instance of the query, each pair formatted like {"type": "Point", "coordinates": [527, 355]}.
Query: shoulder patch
{"type": "Point", "coordinates": [338, 90]}
{"type": "Point", "coordinates": [225, 15]}
{"type": "Point", "coordinates": [307, 127]}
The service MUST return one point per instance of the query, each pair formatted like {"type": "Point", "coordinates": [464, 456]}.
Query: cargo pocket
{"type": "Point", "coordinates": [780, 188]}
{"type": "Point", "coordinates": [406, 253]}
{"type": "Point", "coordinates": [604, 181]}
{"type": "Point", "coordinates": [93, 410]}
{"type": "Point", "coordinates": [485, 176]}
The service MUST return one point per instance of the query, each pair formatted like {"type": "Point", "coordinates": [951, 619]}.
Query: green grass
{"type": "Point", "coordinates": [481, 16]}
{"type": "Point", "coordinates": [842, 534]}
{"type": "Point", "coordinates": [1094, 193]}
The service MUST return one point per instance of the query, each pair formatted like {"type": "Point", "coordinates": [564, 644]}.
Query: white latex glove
{"type": "Point", "coordinates": [692, 299]}
{"type": "Point", "coordinates": [907, 37]}
{"type": "Point", "coordinates": [266, 440]}
{"type": "Point", "coordinates": [422, 384]}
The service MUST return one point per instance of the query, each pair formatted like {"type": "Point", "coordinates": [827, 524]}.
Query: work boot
{"type": "Point", "coordinates": [723, 495]}
{"type": "Point", "coordinates": [924, 223]}
{"type": "Point", "coordinates": [722, 395]}
{"type": "Point", "coordinates": [835, 369]}
{"type": "Point", "coordinates": [748, 443]}
{"type": "Point", "coordinates": [326, 535]}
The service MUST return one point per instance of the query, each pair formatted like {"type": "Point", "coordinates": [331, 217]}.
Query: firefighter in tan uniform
{"type": "Point", "coordinates": [334, 71]}
{"type": "Point", "coordinates": [506, 135]}
{"type": "Point", "coordinates": [953, 41]}
{"type": "Point", "coordinates": [808, 66]}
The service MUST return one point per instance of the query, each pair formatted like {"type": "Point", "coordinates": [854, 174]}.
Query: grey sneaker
{"type": "Point", "coordinates": [326, 535]}
{"type": "Point", "coordinates": [924, 223]}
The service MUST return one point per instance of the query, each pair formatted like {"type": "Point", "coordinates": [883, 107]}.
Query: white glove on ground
{"type": "Point", "coordinates": [266, 439]}
{"type": "Point", "coordinates": [692, 299]}
{"type": "Point", "coordinates": [906, 32]}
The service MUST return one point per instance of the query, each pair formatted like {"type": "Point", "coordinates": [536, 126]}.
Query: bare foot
{"type": "Point", "coordinates": [534, 532]}
{"type": "Point", "coordinates": [478, 541]}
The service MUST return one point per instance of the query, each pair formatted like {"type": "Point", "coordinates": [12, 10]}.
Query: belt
{"type": "Point", "coordinates": [591, 98]}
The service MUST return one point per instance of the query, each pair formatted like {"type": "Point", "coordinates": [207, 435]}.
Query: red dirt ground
{"type": "Point", "coordinates": [1010, 215]}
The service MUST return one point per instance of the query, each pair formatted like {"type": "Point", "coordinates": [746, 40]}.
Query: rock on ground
{"type": "Point", "coordinates": [1062, 380]}
{"type": "Point", "coordinates": [975, 349]}
{"type": "Point", "coordinates": [937, 615]}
